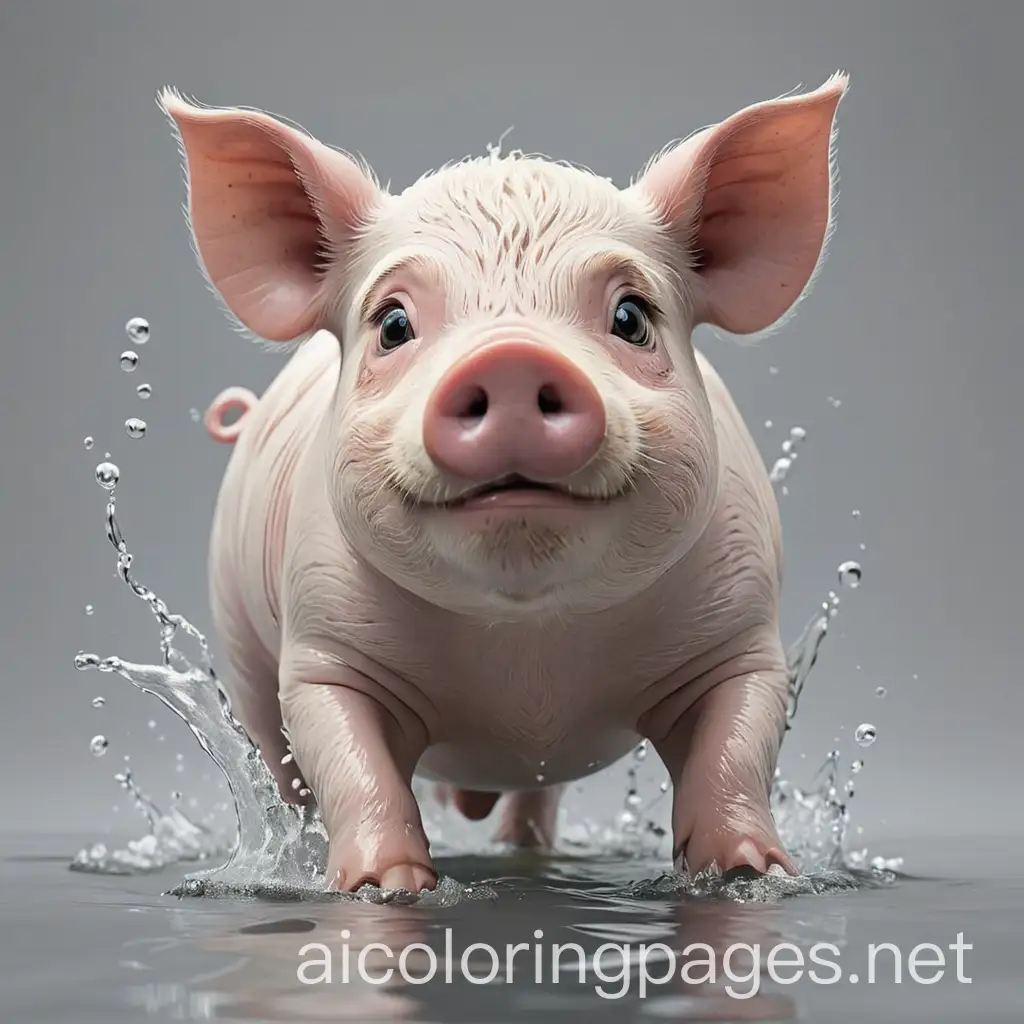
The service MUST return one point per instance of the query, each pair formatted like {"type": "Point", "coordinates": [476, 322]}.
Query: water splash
{"type": "Point", "coordinates": [275, 841]}
{"type": "Point", "coordinates": [172, 839]}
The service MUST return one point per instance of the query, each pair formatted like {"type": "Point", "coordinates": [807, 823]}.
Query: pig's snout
{"type": "Point", "coordinates": [514, 407]}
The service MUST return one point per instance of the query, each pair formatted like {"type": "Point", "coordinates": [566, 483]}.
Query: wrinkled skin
{"type": "Point", "coordinates": [497, 519]}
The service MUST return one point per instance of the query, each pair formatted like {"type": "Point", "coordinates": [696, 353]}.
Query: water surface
{"type": "Point", "coordinates": [102, 949]}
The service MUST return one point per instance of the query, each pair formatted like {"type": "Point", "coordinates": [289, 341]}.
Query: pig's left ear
{"type": "Point", "coordinates": [750, 200]}
{"type": "Point", "coordinates": [269, 208]}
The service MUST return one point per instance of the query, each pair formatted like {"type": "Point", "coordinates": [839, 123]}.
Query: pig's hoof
{"type": "Point", "coordinates": [728, 851]}
{"type": "Point", "coordinates": [412, 877]}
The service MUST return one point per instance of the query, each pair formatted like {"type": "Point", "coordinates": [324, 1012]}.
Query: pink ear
{"type": "Point", "coordinates": [751, 199]}
{"type": "Point", "coordinates": [267, 204]}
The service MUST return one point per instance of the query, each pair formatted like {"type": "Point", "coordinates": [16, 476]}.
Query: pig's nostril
{"type": "Point", "coordinates": [475, 407]}
{"type": "Point", "coordinates": [549, 401]}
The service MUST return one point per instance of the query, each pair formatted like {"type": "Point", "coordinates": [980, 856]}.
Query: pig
{"type": "Point", "coordinates": [497, 519]}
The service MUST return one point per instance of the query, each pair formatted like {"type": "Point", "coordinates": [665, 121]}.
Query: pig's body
{"type": "Point", "coordinates": [508, 706]}
{"type": "Point", "coordinates": [497, 519]}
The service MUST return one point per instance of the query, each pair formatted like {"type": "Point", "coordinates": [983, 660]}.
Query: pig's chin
{"type": "Point", "coordinates": [519, 545]}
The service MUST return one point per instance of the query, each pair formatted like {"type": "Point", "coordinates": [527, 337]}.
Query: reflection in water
{"type": "Point", "coordinates": [593, 945]}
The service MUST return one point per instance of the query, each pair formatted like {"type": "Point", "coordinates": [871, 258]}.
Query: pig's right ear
{"type": "Point", "coordinates": [269, 207]}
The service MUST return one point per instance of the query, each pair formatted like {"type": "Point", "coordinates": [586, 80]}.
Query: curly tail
{"type": "Point", "coordinates": [231, 398]}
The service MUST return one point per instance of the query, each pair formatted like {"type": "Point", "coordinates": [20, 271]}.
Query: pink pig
{"type": "Point", "coordinates": [497, 519]}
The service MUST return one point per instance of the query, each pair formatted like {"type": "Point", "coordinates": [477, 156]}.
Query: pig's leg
{"type": "Point", "coordinates": [253, 691]}
{"type": "Point", "coordinates": [250, 681]}
{"type": "Point", "coordinates": [474, 804]}
{"type": "Point", "coordinates": [721, 755]}
{"type": "Point", "coordinates": [358, 757]}
{"type": "Point", "coordinates": [530, 818]}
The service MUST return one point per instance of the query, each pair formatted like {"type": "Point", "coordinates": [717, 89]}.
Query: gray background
{"type": "Point", "coordinates": [913, 327]}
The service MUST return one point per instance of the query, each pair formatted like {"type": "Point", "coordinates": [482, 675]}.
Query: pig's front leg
{"type": "Point", "coordinates": [358, 756]}
{"type": "Point", "coordinates": [721, 754]}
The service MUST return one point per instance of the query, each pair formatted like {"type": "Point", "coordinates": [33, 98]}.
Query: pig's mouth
{"type": "Point", "coordinates": [515, 489]}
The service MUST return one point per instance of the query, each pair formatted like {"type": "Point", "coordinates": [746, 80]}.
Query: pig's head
{"type": "Point", "coordinates": [520, 421]}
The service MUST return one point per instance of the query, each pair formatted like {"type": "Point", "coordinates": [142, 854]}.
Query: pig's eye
{"type": "Point", "coordinates": [631, 321]}
{"type": "Point", "coordinates": [395, 328]}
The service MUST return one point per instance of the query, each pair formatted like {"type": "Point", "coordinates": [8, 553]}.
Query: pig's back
{"type": "Point", "coordinates": [251, 517]}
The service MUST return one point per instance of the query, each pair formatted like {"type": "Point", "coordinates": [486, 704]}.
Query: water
{"type": "Point", "coordinates": [137, 329]}
{"type": "Point", "coordinates": [113, 949]}
{"type": "Point", "coordinates": [865, 734]}
{"type": "Point", "coordinates": [107, 475]}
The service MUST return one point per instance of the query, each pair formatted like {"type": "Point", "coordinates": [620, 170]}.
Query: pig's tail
{"type": "Point", "coordinates": [241, 399]}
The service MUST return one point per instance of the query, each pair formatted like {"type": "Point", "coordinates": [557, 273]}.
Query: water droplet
{"type": "Point", "coordinates": [137, 330]}
{"type": "Point", "coordinates": [151, 724]}
{"type": "Point", "coordinates": [798, 433]}
{"type": "Point", "coordinates": [664, 787]}
{"type": "Point", "coordinates": [144, 390]}
{"type": "Point", "coordinates": [194, 413]}
{"type": "Point", "coordinates": [850, 574]}
{"type": "Point", "coordinates": [865, 734]}
{"type": "Point", "coordinates": [849, 788]}
{"type": "Point", "coordinates": [134, 427]}
{"type": "Point", "coordinates": [856, 513]}
{"type": "Point", "coordinates": [834, 402]}
{"type": "Point", "coordinates": [98, 746]}
{"type": "Point", "coordinates": [129, 361]}
{"type": "Point", "coordinates": [856, 766]}
{"type": "Point", "coordinates": [540, 776]}
{"type": "Point", "coordinates": [641, 751]}
{"type": "Point", "coordinates": [633, 799]}
{"type": "Point", "coordinates": [287, 759]}
{"type": "Point", "coordinates": [88, 442]}
{"type": "Point", "coordinates": [98, 702]}
{"type": "Point", "coordinates": [296, 784]}
{"type": "Point", "coordinates": [304, 792]}
{"type": "Point", "coordinates": [780, 469]}
{"type": "Point", "coordinates": [881, 692]}
{"type": "Point", "coordinates": [107, 475]}
{"type": "Point", "coordinates": [768, 424]}
{"type": "Point", "coordinates": [179, 757]}
{"type": "Point", "coordinates": [89, 609]}
{"type": "Point", "coordinates": [773, 370]}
